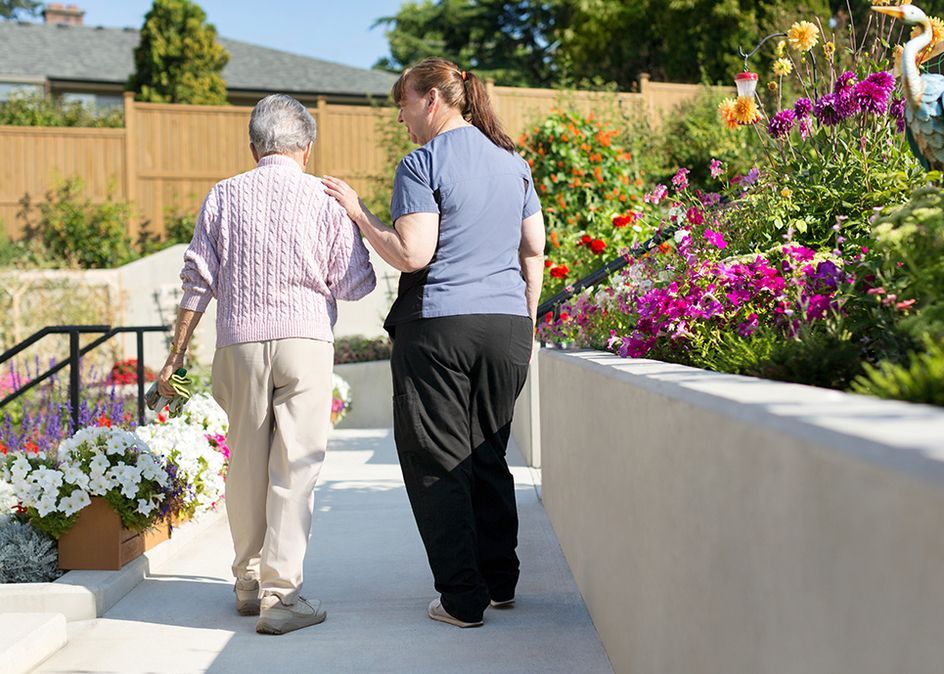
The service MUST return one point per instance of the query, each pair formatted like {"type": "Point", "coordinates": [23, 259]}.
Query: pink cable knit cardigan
{"type": "Point", "coordinates": [277, 253]}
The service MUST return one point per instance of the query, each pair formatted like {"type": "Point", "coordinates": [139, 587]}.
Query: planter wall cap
{"type": "Point", "coordinates": [899, 435]}
{"type": "Point", "coordinates": [27, 639]}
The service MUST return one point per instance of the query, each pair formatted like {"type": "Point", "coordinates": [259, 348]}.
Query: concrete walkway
{"type": "Point", "coordinates": [367, 565]}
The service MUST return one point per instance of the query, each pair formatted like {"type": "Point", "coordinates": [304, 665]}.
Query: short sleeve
{"type": "Point", "coordinates": [531, 202]}
{"type": "Point", "coordinates": [412, 190]}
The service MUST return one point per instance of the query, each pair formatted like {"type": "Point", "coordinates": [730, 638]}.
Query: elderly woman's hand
{"type": "Point", "coordinates": [345, 195]}
{"type": "Point", "coordinates": [163, 379]}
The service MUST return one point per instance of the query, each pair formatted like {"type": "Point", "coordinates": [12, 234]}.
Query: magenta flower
{"type": "Point", "coordinates": [716, 239]}
{"type": "Point", "coordinates": [680, 179]}
{"type": "Point", "coordinates": [747, 328]}
{"type": "Point", "coordinates": [805, 127]}
{"type": "Point", "coordinates": [694, 216]}
{"type": "Point", "coordinates": [817, 307]}
{"type": "Point", "coordinates": [715, 168]}
{"type": "Point", "coordinates": [871, 97]}
{"type": "Point", "coordinates": [845, 83]}
{"type": "Point", "coordinates": [827, 110]}
{"type": "Point", "coordinates": [897, 110]}
{"type": "Point", "coordinates": [800, 253]}
{"type": "Point", "coordinates": [883, 80]}
{"type": "Point", "coordinates": [803, 107]}
{"type": "Point", "coordinates": [781, 124]}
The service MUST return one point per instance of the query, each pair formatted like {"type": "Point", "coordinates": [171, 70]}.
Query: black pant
{"type": "Point", "coordinates": [455, 381]}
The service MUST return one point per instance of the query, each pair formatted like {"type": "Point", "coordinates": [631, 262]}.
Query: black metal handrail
{"type": "Point", "coordinates": [553, 304]}
{"type": "Point", "coordinates": [75, 356]}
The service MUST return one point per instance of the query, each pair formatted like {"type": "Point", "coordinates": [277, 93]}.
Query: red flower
{"type": "Point", "coordinates": [549, 316]}
{"type": "Point", "coordinates": [560, 271]}
{"type": "Point", "coordinates": [548, 264]}
{"type": "Point", "coordinates": [104, 422]}
{"type": "Point", "coordinates": [695, 216]}
{"type": "Point", "coordinates": [584, 240]}
{"type": "Point", "coordinates": [31, 447]}
{"type": "Point", "coordinates": [4, 449]}
{"type": "Point", "coordinates": [564, 316]}
{"type": "Point", "coordinates": [624, 220]}
{"type": "Point", "coordinates": [598, 246]}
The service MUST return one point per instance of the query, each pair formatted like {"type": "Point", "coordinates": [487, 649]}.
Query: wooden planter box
{"type": "Point", "coordinates": [160, 532]}
{"type": "Point", "coordinates": [98, 541]}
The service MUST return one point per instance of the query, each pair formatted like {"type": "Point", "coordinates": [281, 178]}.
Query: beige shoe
{"type": "Point", "coordinates": [278, 618]}
{"type": "Point", "coordinates": [248, 596]}
{"type": "Point", "coordinates": [437, 612]}
{"type": "Point", "coordinates": [508, 603]}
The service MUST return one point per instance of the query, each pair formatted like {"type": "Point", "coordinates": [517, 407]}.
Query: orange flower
{"type": "Point", "coordinates": [561, 201]}
{"type": "Point", "coordinates": [598, 172]}
{"type": "Point", "coordinates": [543, 187]}
{"type": "Point", "coordinates": [553, 177]}
{"type": "Point", "coordinates": [624, 179]}
{"type": "Point", "coordinates": [555, 241]}
{"type": "Point", "coordinates": [664, 247]}
{"type": "Point", "coordinates": [622, 198]}
{"type": "Point", "coordinates": [565, 138]}
{"type": "Point", "coordinates": [726, 110]}
{"type": "Point", "coordinates": [531, 163]}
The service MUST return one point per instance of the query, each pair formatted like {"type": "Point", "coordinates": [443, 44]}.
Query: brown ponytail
{"type": "Point", "coordinates": [461, 90]}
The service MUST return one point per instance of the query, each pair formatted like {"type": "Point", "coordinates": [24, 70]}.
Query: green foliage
{"type": "Point", "coordinates": [179, 226]}
{"type": "Point", "coordinates": [815, 356]}
{"type": "Point", "coordinates": [510, 42]}
{"type": "Point", "coordinates": [178, 59]}
{"type": "Point", "coordinates": [13, 9]}
{"type": "Point", "coordinates": [672, 41]}
{"type": "Point", "coordinates": [396, 144]}
{"type": "Point", "coordinates": [585, 181]}
{"type": "Point", "coordinates": [26, 555]}
{"type": "Point", "coordinates": [36, 110]}
{"type": "Point", "coordinates": [78, 232]}
{"type": "Point", "coordinates": [691, 137]}
{"type": "Point", "coordinates": [911, 240]}
{"type": "Point", "coordinates": [360, 349]}
{"type": "Point", "coordinates": [920, 380]}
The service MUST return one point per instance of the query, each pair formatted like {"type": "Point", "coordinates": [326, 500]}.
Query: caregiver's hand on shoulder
{"type": "Point", "coordinates": [345, 195]}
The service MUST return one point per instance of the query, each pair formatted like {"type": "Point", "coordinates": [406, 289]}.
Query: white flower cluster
{"type": "Point", "coordinates": [203, 411]}
{"type": "Point", "coordinates": [8, 499]}
{"type": "Point", "coordinates": [342, 389]}
{"type": "Point", "coordinates": [200, 464]}
{"type": "Point", "coordinates": [92, 462]}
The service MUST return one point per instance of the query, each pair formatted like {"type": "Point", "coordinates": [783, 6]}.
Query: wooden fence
{"type": "Point", "coordinates": [168, 156]}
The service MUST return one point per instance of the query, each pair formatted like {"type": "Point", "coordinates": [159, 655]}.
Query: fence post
{"type": "Point", "coordinates": [319, 167]}
{"type": "Point", "coordinates": [131, 160]}
{"type": "Point", "coordinates": [74, 378]}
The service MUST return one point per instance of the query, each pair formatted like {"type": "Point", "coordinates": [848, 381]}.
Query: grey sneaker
{"type": "Point", "coordinates": [278, 618]}
{"type": "Point", "coordinates": [247, 596]}
{"type": "Point", "coordinates": [437, 612]}
{"type": "Point", "coordinates": [507, 603]}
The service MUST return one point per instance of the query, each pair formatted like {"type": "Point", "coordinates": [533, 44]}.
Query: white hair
{"type": "Point", "coordinates": [279, 124]}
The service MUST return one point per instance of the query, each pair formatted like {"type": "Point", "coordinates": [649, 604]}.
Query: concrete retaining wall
{"type": "Point", "coordinates": [724, 524]}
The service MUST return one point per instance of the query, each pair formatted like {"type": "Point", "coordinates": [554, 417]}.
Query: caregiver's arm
{"type": "Point", "coordinates": [187, 320]}
{"type": "Point", "coordinates": [407, 246]}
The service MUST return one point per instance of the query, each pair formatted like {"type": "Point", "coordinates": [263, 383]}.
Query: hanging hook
{"type": "Point", "coordinates": [757, 48]}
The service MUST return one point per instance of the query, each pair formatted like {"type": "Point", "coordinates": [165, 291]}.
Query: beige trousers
{"type": "Point", "coordinates": [277, 395]}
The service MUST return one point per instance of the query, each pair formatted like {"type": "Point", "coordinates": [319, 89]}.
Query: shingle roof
{"type": "Point", "coordinates": [92, 54]}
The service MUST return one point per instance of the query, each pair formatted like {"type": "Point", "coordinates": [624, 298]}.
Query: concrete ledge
{"type": "Point", "coordinates": [86, 595]}
{"type": "Point", "coordinates": [27, 639]}
{"type": "Point", "coordinates": [371, 394]}
{"type": "Point", "coordinates": [718, 524]}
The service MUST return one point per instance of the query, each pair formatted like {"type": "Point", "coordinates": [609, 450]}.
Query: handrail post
{"type": "Point", "coordinates": [74, 378]}
{"type": "Point", "coordinates": [140, 340]}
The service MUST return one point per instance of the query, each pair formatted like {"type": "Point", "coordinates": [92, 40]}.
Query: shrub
{"type": "Point", "coordinates": [78, 232]}
{"type": "Point", "coordinates": [26, 555]}
{"type": "Point", "coordinates": [360, 349]}
{"type": "Point", "coordinates": [919, 380]}
{"type": "Point", "coordinates": [591, 193]}
{"type": "Point", "coordinates": [37, 110]}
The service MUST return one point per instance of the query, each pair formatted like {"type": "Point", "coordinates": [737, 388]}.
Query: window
{"type": "Point", "coordinates": [8, 88]}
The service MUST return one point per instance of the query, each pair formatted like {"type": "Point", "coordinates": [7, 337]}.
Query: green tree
{"type": "Point", "coordinates": [12, 9]}
{"type": "Point", "coordinates": [510, 42]}
{"type": "Point", "coordinates": [678, 41]}
{"type": "Point", "coordinates": [178, 59]}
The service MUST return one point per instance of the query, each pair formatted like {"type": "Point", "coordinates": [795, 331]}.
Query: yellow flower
{"type": "Point", "coordinates": [803, 35]}
{"type": "Point", "coordinates": [781, 49]}
{"type": "Point", "coordinates": [726, 110]}
{"type": "Point", "coordinates": [937, 30]}
{"type": "Point", "coordinates": [782, 67]}
{"type": "Point", "coordinates": [772, 85]}
{"type": "Point", "coordinates": [829, 49]}
{"type": "Point", "coordinates": [786, 193]}
{"type": "Point", "coordinates": [745, 110]}
{"type": "Point", "coordinates": [882, 3]}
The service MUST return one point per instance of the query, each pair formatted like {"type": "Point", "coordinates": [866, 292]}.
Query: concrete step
{"type": "Point", "coordinates": [27, 639]}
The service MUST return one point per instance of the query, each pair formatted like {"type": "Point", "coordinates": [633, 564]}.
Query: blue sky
{"type": "Point", "coordinates": [333, 30]}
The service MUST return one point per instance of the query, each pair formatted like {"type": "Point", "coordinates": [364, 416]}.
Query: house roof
{"type": "Point", "coordinates": [96, 54]}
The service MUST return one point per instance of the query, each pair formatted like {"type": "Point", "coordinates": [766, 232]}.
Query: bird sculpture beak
{"type": "Point", "coordinates": [894, 12]}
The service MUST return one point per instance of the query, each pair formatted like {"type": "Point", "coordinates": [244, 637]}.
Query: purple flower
{"type": "Point", "coordinates": [826, 110]}
{"type": "Point", "coordinates": [781, 123]}
{"type": "Point", "coordinates": [803, 107]}
{"type": "Point", "coordinates": [680, 179]}
{"type": "Point", "coordinates": [799, 252]}
{"type": "Point", "coordinates": [657, 194]}
{"type": "Point", "coordinates": [847, 104]}
{"type": "Point", "coordinates": [715, 168]}
{"type": "Point", "coordinates": [897, 110]}
{"type": "Point", "coordinates": [845, 83]}
{"type": "Point", "coordinates": [817, 307]}
{"type": "Point", "coordinates": [871, 97]}
{"type": "Point", "coordinates": [883, 80]}
{"type": "Point", "coordinates": [747, 328]}
{"type": "Point", "coordinates": [804, 127]}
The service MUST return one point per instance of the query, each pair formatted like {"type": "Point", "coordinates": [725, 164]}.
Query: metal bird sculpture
{"type": "Point", "coordinates": [924, 108]}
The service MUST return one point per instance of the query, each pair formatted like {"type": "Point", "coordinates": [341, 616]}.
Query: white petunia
{"type": "Point", "coordinates": [74, 502]}
{"type": "Point", "coordinates": [73, 474]}
{"type": "Point", "coordinates": [145, 507]}
{"type": "Point", "coordinates": [99, 485]}
{"type": "Point", "coordinates": [46, 505]}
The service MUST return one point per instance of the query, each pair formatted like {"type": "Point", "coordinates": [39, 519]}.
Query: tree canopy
{"type": "Point", "coordinates": [13, 9]}
{"type": "Point", "coordinates": [178, 59]}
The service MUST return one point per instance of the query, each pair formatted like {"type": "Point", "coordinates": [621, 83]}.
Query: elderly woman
{"type": "Point", "coordinates": [468, 236]}
{"type": "Point", "coordinates": [277, 254]}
